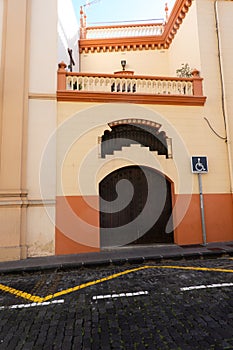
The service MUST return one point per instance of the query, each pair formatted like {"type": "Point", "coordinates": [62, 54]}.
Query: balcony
{"type": "Point", "coordinates": [126, 87]}
{"type": "Point", "coordinates": [133, 37]}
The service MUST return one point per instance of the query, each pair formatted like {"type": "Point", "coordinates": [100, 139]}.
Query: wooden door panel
{"type": "Point", "coordinates": [144, 203]}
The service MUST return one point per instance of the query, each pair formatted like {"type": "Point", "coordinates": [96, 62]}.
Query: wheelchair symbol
{"type": "Point", "coordinates": [199, 166]}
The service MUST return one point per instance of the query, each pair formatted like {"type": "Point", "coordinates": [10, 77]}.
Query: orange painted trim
{"type": "Point", "coordinates": [79, 96]}
{"type": "Point", "coordinates": [77, 224]}
{"type": "Point", "coordinates": [65, 245]}
{"type": "Point", "coordinates": [163, 41]}
{"type": "Point", "coordinates": [176, 18]}
{"type": "Point", "coordinates": [124, 72]}
{"type": "Point", "coordinates": [218, 209]}
{"type": "Point", "coordinates": [121, 44]}
{"type": "Point", "coordinates": [219, 217]}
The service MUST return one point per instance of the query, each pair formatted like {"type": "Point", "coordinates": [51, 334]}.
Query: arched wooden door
{"type": "Point", "coordinates": [135, 206]}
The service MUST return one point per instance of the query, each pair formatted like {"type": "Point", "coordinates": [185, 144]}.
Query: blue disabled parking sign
{"type": "Point", "coordinates": [199, 164]}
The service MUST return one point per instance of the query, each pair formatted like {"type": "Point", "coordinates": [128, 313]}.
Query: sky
{"type": "Point", "coordinates": [104, 11]}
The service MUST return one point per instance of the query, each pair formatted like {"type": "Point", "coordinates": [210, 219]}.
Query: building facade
{"type": "Point", "coordinates": [100, 157]}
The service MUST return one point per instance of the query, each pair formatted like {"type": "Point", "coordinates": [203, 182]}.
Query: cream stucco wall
{"type": "Point", "coordinates": [185, 45]}
{"type": "Point", "coordinates": [13, 121]}
{"type": "Point", "coordinates": [211, 72]}
{"type": "Point", "coordinates": [1, 28]}
{"type": "Point", "coordinates": [43, 46]}
{"type": "Point", "coordinates": [150, 62]}
{"type": "Point", "coordinates": [78, 151]}
{"type": "Point", "coordinates": [41, 192]}
{"type": "Point", "coordinates": [224, 15]}
{"type": "Point", "coordinates": [41, 125]}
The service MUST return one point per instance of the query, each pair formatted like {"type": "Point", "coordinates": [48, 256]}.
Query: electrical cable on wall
{"type": "Point", "coordinates": [215, 132]}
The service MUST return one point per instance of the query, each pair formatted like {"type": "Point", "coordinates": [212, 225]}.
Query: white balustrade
{"type": "Point", "coordinates": [126, 31]}
{"type": "Point", "coordinates": [129, 85]}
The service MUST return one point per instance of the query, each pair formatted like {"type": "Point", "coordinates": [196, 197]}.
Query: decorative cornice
{"type": "Point", "coordinates": [176, 18]}
{"type": "Point", "coordinates": [121, 44]}
{"type": "Point", "coordinates": [73, 96]}
{"type": "Point", "coordinates": [162, 41]}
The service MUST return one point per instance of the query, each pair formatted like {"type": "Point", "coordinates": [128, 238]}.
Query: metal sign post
{"type": "Point", "coordinates": [202, 209]}
{"type": "Point", "coordinates": [199, 166]}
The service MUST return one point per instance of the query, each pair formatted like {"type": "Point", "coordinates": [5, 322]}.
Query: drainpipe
{"type": "Point", "coordinates": [224, 110]}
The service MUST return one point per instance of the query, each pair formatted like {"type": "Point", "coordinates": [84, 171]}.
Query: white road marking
{"type": "Point", "coordinates": [121, 295]}
{"type": "Point", "coordinates": [203, 286]}
{"type": "Point", "coordinates": [23, 306]}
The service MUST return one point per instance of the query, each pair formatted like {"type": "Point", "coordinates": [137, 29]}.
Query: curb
{"type": "Point", "coordinates": [118, 261]}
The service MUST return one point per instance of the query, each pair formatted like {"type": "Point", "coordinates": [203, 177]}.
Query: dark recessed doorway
{"type": "Point", "coordinates": [135, 207]}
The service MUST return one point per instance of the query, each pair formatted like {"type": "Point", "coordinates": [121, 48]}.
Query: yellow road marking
{"type": "Point", "coordinates": [21, 294]}
{"type": "Point", "coordinates": [37, 299]}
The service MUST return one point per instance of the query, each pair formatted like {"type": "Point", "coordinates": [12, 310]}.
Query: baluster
{"type": "Point", "coordinates": [190, 88]}
{"type": "Point", "coordinates": [74, 83]}
{"type": "Point", "coordinates": [148, 86]}
{"type": "Point", "coordinates": [123, 86]}
{"type": "Point", "coordinates": [169, 87]}
{"type": "Point", "coordinates": [68, 83]}
{"type": "Point", "coordinates": [118, 85]}
{"type": "Point", "coordinates": [155, 87]}
{"type": "Point", "coordinates": [183, 88]}
{"type": "Point", "coordinates": [90, 86]}
{"type": "Point", "coordinates": [145, 86]}
{"type": "Point", "coordinates": [179, 88]}
{"type": "Point", "coordinates": [100, 84]}
{"type": "Point", "coordinates": [159, 87]}
{"type": "Point", "coordinates": [173, 88]}
{"type": "Point", "coordinates": [87, 83]}
{"type": "Point", "coordinates": [83, 83]}
{"type": "Point", "coordinates": [96, 84]}
{"type": "Point", "coordinates": [129, 85]}
{"type": "Point", "coordinates": [106, 83]}
{"type": "Point", "coordinates": [113, 85]}
{"type": "Point", "coordinates": [140, 86]}
{"type": "Point", "coordinates": [152, 86]}
{"type": "Point", "coordinates": [134, 86]}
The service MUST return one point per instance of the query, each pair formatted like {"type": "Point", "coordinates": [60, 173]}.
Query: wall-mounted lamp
{"type": "Point", "coordinates": [123, 64]}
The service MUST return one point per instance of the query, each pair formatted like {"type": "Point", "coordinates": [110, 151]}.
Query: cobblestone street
{"type": "Point", "coordinates": [170, 305]}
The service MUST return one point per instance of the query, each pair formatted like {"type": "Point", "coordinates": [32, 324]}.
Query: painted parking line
{"type": "Point", "coordinates": [22, 294]}
{"type": "Point", "coordinates": [24, 306]}
{"type": "Point", "coordinates": [38, 299]}
{"type": "Point", "coordinates": [121, 295]}
{"type": "Point", "coordinates": [203, 286]}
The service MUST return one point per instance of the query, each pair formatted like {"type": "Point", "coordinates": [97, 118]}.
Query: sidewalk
{"type": "Point", "coordinates": [136, 254]}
